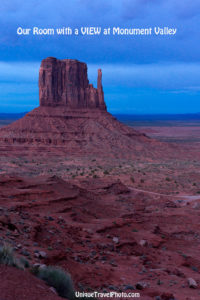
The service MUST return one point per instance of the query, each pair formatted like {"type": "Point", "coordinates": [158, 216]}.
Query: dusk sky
{"type": "Point", "coordinates": [141, 74]}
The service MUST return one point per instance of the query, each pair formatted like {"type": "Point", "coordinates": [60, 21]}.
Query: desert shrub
{"type": "Point", "coordinates": [167, 179]}
{"type": "Point", "coordinates": [59, 279]}
{"type": "Point", "coordinates": [106, 172]}
{"type": "Point", "coordinates": [7, 256]}
{"type": "Point", "coordinates": [53, 276]}
{"type": "Point", "coordinates": [24, 262]}
{"type": "Point", "coordinates": [132, 179]}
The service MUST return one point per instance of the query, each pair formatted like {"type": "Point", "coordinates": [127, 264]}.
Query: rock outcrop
{"type": "Point", "coordinates": [72, 118]}
{"type": "Point", "coordinates": [65, 83]}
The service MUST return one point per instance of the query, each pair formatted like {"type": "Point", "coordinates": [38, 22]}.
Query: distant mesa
{"type": "Point", "coordinates": [65, 83]}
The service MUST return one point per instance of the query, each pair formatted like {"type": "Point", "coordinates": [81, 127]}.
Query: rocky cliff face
{"type": "Point", "coordinates": [65, 83]}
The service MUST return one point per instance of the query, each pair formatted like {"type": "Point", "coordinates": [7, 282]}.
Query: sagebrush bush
{"type": "Point", "coordinates": [7, 256]}
{"type": "Point", "coordinates": [24, 262]}
{"type": "Point", "coordinates": [53, 276]}
{"type": "Point", "coordinates": [59, 279]}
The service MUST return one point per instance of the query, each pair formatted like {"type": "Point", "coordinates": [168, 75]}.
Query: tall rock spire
{"type": "Point", "coordinates": [100, 89]}
{"type": "Point", "coordinates": [99, 80]}
{"type": "Point", "coordinates": [65, 83]}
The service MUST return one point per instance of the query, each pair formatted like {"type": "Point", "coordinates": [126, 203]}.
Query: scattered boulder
{"type": "Point", "coordinates": [38, 266]}
{"type": "Point", "coordinates": [53, 290]}
{"type": "Point", "coordinates": [141, 285]}
{"type": "Point", "coordinates": [167, 296]}
{"type": "Point", "coordinates": [42, 254]}
{"type": "Point", "coordinates": [25, 252]}
{"type": "Point", "coordinates": [192, 283]}
{"type": "Point", "coordinates": [129, 287]}
{"type": "Point", "coordinates": [116, 240]}
{"type": "Point", "coordinates": [143, 243]}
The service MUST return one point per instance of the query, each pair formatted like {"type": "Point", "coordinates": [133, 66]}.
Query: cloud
{"type": "Point", "coordinates": [129, 63]}
{"type": "Point", "coordinates": [190, 90]}
{"type": "Point", "coordinates": [133, 9]}
{"type": "Point", "coordinates": [128, 87]}
{"type": "Point", "coordinates": [187, 9]}
{"type": "Point", "coordinates": [19, 72]}
{"type": "Point", "coordinates": [123, 13]}
{"type": "Point", "coordinates": [164, 76]}
{"type": "Point", "coordinates": [160, 9]}
{"type": "Point", "coordinates": [96, 7]}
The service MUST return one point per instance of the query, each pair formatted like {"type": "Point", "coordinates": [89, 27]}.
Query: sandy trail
{"type": "Point", "coordinates": [185, 198]}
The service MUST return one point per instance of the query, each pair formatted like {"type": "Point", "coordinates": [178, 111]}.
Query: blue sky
{"type": "Point", "coordinates": [141, 74]}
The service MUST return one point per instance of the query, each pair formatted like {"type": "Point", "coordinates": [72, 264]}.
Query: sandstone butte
{"type": "Point", "coordinates": [72, 118]}
{"type": "Point", "coordinates": [65, 83]}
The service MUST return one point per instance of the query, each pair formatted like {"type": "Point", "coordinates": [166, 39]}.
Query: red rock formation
{"type": "Point", "coordinates": [65, 83]}
{"type": "Point", "coordinates": [72, 118]}
{"type": "Point", "coordinates": [100, 89]}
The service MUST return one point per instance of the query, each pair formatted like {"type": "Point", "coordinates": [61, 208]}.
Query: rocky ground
{"type": "Point", "coordinates": [114, 225]}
